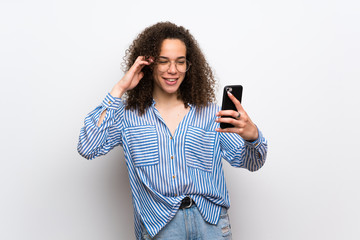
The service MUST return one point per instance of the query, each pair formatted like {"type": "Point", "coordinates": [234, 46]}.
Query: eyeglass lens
{"type": "Point", "coordinates": [182, 65]}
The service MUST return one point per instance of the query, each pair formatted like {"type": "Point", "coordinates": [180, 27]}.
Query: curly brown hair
{"type": "Point", "coordinates": [198, 86]}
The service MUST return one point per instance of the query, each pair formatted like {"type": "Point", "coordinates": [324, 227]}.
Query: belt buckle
{"type": "Point", "coordinates": [191, 203]}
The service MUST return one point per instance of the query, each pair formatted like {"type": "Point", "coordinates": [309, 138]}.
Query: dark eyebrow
{"type": "Point", "coordinates": [168, 58]}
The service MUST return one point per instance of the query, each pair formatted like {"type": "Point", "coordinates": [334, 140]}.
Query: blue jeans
{"type": "Point", "coordinates": [188, 224]}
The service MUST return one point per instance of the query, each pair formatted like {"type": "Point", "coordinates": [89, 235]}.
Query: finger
{"type": "Point", "coordinates": [137, 67]}
{"type": "Point", "coordinates": [229, 113]}
{"type": "Point", "coordinates": [236, 102]}
{"type": "Point", "coordinates": [149, 59]}
{"type": "Point", "coordinates": [236, 123]}
{"type": "Point", "coordinates": [140, 62]}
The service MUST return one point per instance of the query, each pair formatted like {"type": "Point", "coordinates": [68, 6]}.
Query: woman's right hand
{"type": "Point", "coordinates": [132, 77]}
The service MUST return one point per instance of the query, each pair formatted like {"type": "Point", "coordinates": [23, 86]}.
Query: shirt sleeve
{"type": "Point", "coordinates": [96, 140]}
{"type": "Point", "coordinates": [241, 153]}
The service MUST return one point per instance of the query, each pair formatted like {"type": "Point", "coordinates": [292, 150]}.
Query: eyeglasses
{"type": "Point", "coordinates": [163, 64]}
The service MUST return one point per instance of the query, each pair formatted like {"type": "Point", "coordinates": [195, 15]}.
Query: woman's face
{"type": "Point", "coordinates": [168, 80]}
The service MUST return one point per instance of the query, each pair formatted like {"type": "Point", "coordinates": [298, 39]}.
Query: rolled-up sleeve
{"type": "Point", "coordinates": [96, 140]}
{"type": "Point", "coordinates": [241, 153]}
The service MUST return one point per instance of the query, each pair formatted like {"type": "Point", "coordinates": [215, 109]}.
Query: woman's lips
{"type": "Point", "coordinates": [170, 81]}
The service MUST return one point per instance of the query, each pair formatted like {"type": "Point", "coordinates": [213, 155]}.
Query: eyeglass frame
{"type": "Point", "coordinates": [188, 63]}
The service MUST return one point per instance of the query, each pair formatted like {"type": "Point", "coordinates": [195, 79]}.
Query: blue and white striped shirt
{"type": "Point", "coordinates": [163, 169]}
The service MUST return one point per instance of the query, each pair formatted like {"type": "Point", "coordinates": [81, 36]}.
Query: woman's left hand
{"type": "Point", "coordinates": [240, 120]}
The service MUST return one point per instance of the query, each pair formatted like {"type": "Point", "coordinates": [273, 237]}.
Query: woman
{"type": "Point", "coordinates": [168, 127]}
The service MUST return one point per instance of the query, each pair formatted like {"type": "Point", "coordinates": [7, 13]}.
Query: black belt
{"type": "Point", "coordinates": [187, 202]}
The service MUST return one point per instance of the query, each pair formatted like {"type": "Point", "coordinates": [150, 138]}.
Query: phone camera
{"type": "Point", "coordinates": [229, 89]}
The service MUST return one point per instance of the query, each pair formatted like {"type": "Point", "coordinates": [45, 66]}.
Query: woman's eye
{"type": "Point", "coordinates": [163, 62]}
{"type": "Point", "coordinates": [180, 62]}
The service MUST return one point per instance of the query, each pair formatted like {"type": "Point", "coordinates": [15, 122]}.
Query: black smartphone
{"type": "Point", "coordinates": [227, 104]}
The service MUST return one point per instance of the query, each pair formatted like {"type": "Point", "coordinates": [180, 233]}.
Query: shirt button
{"type": "Point", "coordinates": [175, 195]}
{"type": "Point", "coordinates": [172, 157]}
{"type": "Point", "coordinates": [109, 102]}
{"type": "Point", "coordinates": [174, 176]}
{"type": "Point", "coordinates": [170, 138]}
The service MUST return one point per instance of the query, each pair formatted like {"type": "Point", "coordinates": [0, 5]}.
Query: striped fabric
{"type": "Point", "coordinates": [163, 169]}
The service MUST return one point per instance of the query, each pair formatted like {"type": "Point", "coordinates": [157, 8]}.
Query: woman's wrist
{"type": "Point", "coordinates": [117, 92]}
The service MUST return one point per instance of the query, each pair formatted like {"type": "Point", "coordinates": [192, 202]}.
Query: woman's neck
{"type": "Point", "coordinates": [167, 100]}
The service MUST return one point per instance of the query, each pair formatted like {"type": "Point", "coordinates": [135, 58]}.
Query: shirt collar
{"type": "Point", "coordinates": [154, 102]}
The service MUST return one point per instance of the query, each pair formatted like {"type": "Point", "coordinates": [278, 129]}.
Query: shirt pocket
{"type": "Point", "coordinates": [143, 146]}
{"type": "Point", "coordinates": [199, 148]}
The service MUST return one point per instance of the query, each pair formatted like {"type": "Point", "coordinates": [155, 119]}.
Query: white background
{"type": "Point", "coordinates": [297, 60]}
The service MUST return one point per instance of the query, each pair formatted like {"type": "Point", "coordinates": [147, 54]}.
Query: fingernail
{"type": "Point", "coordinates": [229, 93]}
